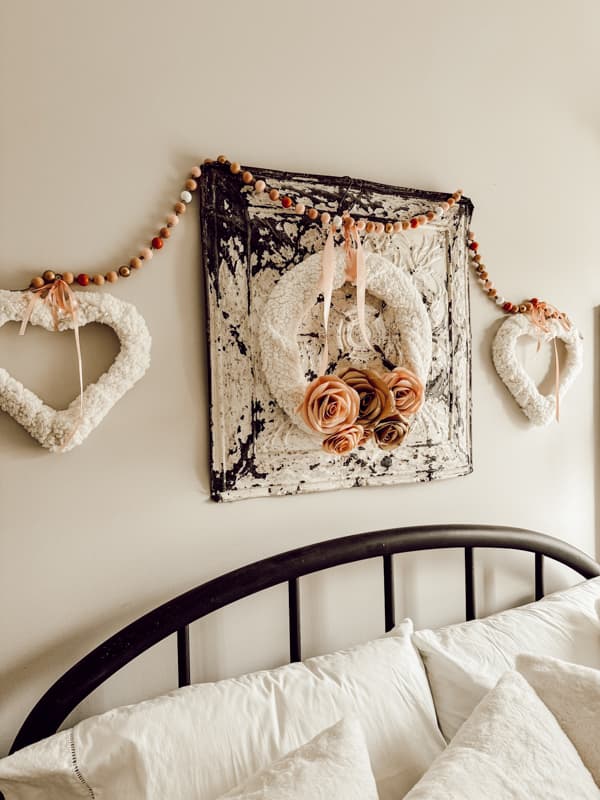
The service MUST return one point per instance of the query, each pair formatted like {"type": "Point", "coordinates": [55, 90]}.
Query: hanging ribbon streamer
{"type": "Point", "coordinates": [326, 287]}
{"type": "Point", "coordinates": [60, 300]}
{"type": "Point", "coordinates": [541, 320]}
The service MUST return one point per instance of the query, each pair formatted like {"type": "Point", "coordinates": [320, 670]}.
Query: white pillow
{"type": "Point", "coordinates": [332, 766]}
{"type": "Point", "coordinates": [511, 748]}
{"type": "Point", "coordinates": [572, 693]}
{"type": "Point", "coordinates": [464, 661]}
{"type": "Point", "coordinates": [199, 742]}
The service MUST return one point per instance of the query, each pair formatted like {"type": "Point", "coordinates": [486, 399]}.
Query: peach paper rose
{"type": "Point", "coordinates": [390, 433]}
{"type": "Point", "coordinates": [341, 443]}
{"type": "Point", "coordinates": [376, 400]}
{"type": "Point", "coordinates": [407, 390]}
{"type": "Point", "coordinates": [329, 405]}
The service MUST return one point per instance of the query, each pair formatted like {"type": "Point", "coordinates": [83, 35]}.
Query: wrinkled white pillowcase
{"type": "Point", "coordinates": [572, 693]}
{"type": "Point", "coordinates": [464, 661]}
{"type": "Point", "coordinates": [332, 766]}
{"type": "Point", "coordinates": [511, 748]}
{"type": "Point", "coordinates": [199, 742]}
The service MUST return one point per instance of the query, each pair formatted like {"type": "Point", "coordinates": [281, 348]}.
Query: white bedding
{"type": "Point", "coordinates": [511, 748]}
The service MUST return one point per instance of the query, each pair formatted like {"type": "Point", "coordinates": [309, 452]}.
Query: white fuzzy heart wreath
{"type": "Point", "coordinates": [539, 408]}
{"type": "Point", "coordinates": [50, 427]}
{"type": "Point", "coordinates": [297, 291]}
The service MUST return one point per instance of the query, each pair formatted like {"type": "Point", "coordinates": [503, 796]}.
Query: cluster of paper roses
{"type": "Point", "coordinates": [360, 404]}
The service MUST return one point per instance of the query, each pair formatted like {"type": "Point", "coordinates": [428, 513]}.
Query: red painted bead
{"type": "Point", "coordinates": [474, 245]}
{"type": "Point", "coordinates": [534, 302]}
{"type": "Point", "coordinates": [157, 243]}
{"type": "Point", "coordinates": [414, 223]}
{"type": "Point", "coordinates": [83, 279]}
{"type": "Point", "coordinates": [507, 306]}
{"type": "Point", "coordinates": [286, 202]}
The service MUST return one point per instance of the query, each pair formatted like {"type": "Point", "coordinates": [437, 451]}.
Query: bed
{"type": "Point", "coordinates": [174, 618]}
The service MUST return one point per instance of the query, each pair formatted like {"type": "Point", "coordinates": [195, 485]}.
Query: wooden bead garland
{"type": "Point", "coordinates": [259, 186]}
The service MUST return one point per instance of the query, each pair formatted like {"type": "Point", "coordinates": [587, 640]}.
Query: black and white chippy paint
{"type": "Point", "coordinates": [247, 244]}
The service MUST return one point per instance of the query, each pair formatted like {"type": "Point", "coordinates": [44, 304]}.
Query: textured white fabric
{"type": "Point", "coordinates": [464, 661]}
{"type": "Point", "coordinates": [572, 693]}
{"type": "Point", "coordinates": [332, 766]}
{"type": "Point", "coordinates": [539, 408]}
{"type": "Point", "coordinates": [52, 428]}
{"type": "Point", "coordinates": [511, 748]}
{"type": "Point", "coordinates": [201, 741]}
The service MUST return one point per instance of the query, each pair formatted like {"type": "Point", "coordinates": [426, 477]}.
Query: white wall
{"type": "Point", "coordinates": [104, 108]}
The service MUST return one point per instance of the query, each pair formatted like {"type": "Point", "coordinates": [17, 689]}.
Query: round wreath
{"type": "Point", "coordinates": [297, 291]}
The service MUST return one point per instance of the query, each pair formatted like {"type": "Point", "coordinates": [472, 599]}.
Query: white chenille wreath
{"type": "Point", "coordinates": [297, 291]}
{"type": "Point", "coordinates": [52, 428]}
{"type": "Point", "coordinates": [540, 409]}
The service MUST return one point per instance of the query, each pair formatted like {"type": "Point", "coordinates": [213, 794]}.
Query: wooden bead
{"type": "Point", "coordinates": [397, 227]}
{"type": "Point", "coordinates": [195, 172]}
{"type": "Point", "coordinates": [222, 159]}
{"type": "Point", "coordinates": [456, 195]}
{"type": "Point", "coordinates": [370, 226]}
{"type": "Point", "coordinates": [483, 275]}
{"type": "Point", "coordinates": [172, 220]}
{"type": "Point", "coordinates": [430, 215]}
{"type": "Point", "coordinates": [445, 205]}
{"type": "Point", "coordinates": [179, 208]}
{"type": "Point", "coordinates": [135, 263]}
{"type": "Point", "coordinates": [247, 177]}
{"type": "Point", "coordinates": [325, 218]}
{"type": "Point", "coordinates": [477, 258]}
{"type": "Point", "coordinates": [112, 277]}
{"type": "Point", "coordinates": [165, 233]}
{"type": "Point", "coordinates": [49, 276]}
{"type": "Point", "coordinates": [68, 277]}
{"type": "Point", "coordinates": [522, 308]}
{"type": "Point", "coordinates": [379, 227]}
{"type": "Point", "coordinates": [451, 201]}
{"type": "Point", "coordinates": [83, 279]}
{"type": "Point", "coordinates": [422, 219]}
{"type": "Point", "coordinates": [299, 208]}
{"type": "Point", "coordinates": [274, 194]}
{"type": "Point", "coordinates": [234, 167]}
{"type": "Point", "coordinates": [146, 254]}
{"type": "Point", "coordinates": [312, 213]}
{"type": "Point", "coordinates": [208, 161]}
{"type": "Point", "coordinates": [492, 292]}
{"type": "Point", "coordinates": [157, 244]}
{"type": "Point", "coordinates": [405, 224]}
{"type": "Point", "coordinates": [98, 279]}
{"type": "Point", "coordinates": [37, 282]}
{"type": "Point", "coordinates": [124, 272]}
{"type": "Point", "coordinates": [259, 186]}
{"type": "Point", "coordinates": [191, 185]}
{"type": "Point", "coordinates": [529, 306]}
{"type": "Point", "coordinates": [360, 225]}
{"type": "Point", "coordinates": [389, 227]}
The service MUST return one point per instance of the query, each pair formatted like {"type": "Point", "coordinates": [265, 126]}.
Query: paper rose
{"type": "Point", "coordinates": [338, 444]}
{"type": "Point", "coordinates": [329, 405]}
{"type": "Point", "coordinates": [407, 390]}
{"type": "Point", "coordinates": [376, 400]}
{"type": "Point", "coordinates": [390, 433]}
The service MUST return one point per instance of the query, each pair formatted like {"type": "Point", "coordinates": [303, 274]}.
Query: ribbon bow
{"type": "Point", "coordinates": [61, 300]}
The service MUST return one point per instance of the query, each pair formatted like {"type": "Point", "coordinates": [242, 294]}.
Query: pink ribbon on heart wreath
{"type": "Point", "coordinates": [356, 273]}
{"type": "Point", "coordinates": [61, 300]}
{"type": "Point", "coordinates": [541, 320]}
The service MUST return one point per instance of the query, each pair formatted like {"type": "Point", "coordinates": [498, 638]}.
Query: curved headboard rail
{"type": "Point", "coordinates": [175, 615]}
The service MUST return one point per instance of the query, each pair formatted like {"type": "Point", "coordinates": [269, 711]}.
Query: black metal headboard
{"type": "Point", "coordinates": [175, 616]}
